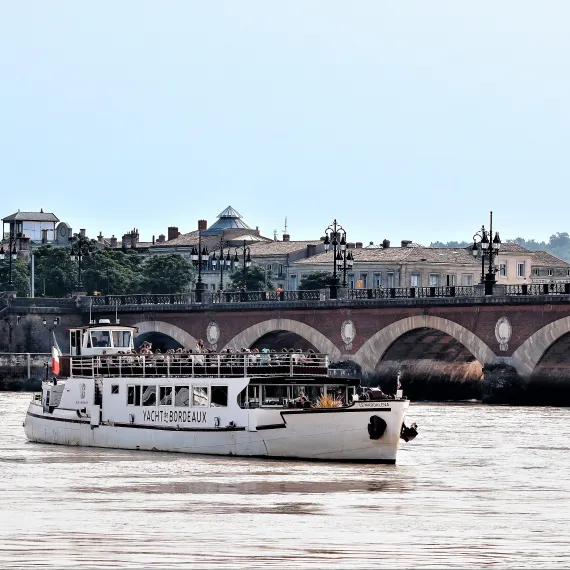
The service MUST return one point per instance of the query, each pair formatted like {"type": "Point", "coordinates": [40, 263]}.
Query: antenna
{"type": "Point", "coordinates": [274, 235]}
{"type": "Point", "coordinates": [285, 230]}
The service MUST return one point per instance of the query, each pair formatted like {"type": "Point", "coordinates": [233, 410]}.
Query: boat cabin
{"type": "Point", "coordinates": [100, 339]}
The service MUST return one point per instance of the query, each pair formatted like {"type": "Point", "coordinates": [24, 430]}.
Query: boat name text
{"type": "Point", "coordinates": [173, 416]}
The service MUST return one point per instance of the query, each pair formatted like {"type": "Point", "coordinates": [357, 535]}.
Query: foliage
{"type": "Point", "coordinates": [55, 273]}
{"type": "Point", "coordinates": [257, 279]}
{"type": "Point", "coordinates": [558, 244]}
{"type": "Point", "coordinates": [20, 277]}
{"type": "Point", "coordinates": [316, 280]}
{"type": "Point", "coordinates": [166, 274]}
{"type": "Point", "coordinates": [113, 272]}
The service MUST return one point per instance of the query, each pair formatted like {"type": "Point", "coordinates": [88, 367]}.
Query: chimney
{"type": "Point", "coordinates": [286, 237]}
{"type": "Point", "coordinates": [386, 243]}
{"type": "Point", "coordinates": [82, 232]}
{"type": "Point", "coordinates": [124, 241]}
{"type": "Point", "coordinates": [134, 238]}
{"type": "Point", "coordinates": [113, 241]}
{"type": "Point", "coordinates": [350, 245]}
{"type": "Point", "coordinates": [358, 245]}
{"type": "Point", "coordinates": [173, 232]}
{"type": "Point", "coordinates": [152, 240]}
{"type": "Point", "coordinates": [202, 225]}
{"type": "Point", "coordinates": [161, 238]}
{"type": "Point", "coordinates": [100, 237]}
{"type": "Point", "coordinates": [406, 242]}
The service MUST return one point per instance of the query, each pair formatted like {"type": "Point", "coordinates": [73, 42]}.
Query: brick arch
{"type": "Point", "coordinates": [373, 349]}
{"type": "Point", "coordinates": [322, 344]}
{"type": "Point", "coordinates": [178, 334]}
{"type": "Point", "coordinates": [528, 354]}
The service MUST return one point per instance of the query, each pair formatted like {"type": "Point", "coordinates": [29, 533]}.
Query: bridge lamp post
{"type": "Point", "coordinates": [246, 264]}
{"type": "Point", "coordinates": [335, 236]}
{"type": "Point", "coordinates": [12, 256]}
{"type": "Point", "coordinates": [80, 246]}
{"type": "Point", "coordinates": [197, 256]}
{"type": "Point", "coordinates": [345, 261]}
{"type": "Point", "coordinates": [224, 264]}
{"type": "Point", "coordinates": [490, 247]}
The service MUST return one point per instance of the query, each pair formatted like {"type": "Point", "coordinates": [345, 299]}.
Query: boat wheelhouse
{"type": "Point", "coordinates": [288, 404]}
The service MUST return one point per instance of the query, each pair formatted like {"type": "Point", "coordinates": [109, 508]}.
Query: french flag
{"type": "Point", "coordinates": [55, 354]}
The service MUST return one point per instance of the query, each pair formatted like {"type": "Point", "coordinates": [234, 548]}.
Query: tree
{"type": "Point", "coordinates": [113, 272]}
{"type": "Point", "coordinates": [20, 277]}
{"type": "Point", "coordinates": [316, 280]}
{"type": "Point", "coordinates": [55, 273]}
{"type": "Point", "coordinates": [257, 279]}
{"type": "Point", "coordinates": [166, 274]}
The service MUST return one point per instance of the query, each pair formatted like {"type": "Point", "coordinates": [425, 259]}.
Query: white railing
{"type": "Point", "coordinates": [200, 365]}
{"type": "Point", "coordinates": [27, 360]}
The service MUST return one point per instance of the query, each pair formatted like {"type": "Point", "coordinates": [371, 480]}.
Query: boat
{"type": "Point", "coordinates": [292, 405]}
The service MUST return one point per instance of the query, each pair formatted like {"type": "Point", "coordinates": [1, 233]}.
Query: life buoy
{"type": "Point", "coordinates": [376, 427]}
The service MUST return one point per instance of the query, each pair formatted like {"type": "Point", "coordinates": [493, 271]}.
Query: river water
{"type": "Point", "coordinates": [480, 487]}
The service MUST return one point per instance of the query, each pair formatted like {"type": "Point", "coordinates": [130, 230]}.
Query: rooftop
{"type": "Point", "coordinates": [31, 217]}
{"type": "Point", "coordinates": [402, 255]}
{"type": "Point", "coordinates": [545, 259]}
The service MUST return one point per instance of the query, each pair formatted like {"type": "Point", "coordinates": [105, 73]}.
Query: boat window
{"type": "Point", "coordinates": [149, 395]}
{"type": "Point", "coordinates": [130, 395]}
{"type": "Point", "coordinates": [199, 395]}
{"type": "Point", "coordinates": [181, 395]}
{"type": "Point", "coordinates": [274, 395]}
{"type": "Point", "coordinates": [219, 396]}
{"type": "Point", "coordinates": [122, 339]}
{"type": "Point", "coordinates": [313, 393]}
{"type": "Point", "coordinates": [100, 338]}
{"type": "Point", "coordinates": [297, 391]}
{"type": "Point", "coordinates": [114, 388]}
{"type": "Point", "coordinates": [165, 395]}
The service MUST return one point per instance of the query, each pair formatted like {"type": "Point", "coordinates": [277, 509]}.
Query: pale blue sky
{"type": "Point", "coordinates": [404, 120]}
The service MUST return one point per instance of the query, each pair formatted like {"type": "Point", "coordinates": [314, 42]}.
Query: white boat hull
{"type": "Point", "coordinates": [337, 434]}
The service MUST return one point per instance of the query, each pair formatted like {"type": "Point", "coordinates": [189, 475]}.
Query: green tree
{"type": "Point", "coordinates": [113, 272]}
{"type": "Point", "coordinates": [55, 273]}
{"type": "Point", "coordinates": [316, 280]}
{"type": "Point", "coordinates": [166, 274]}
{"type": "Point", "coordinates": [20, 277]}
{"type": "Point", "coordinates": [257, 279]}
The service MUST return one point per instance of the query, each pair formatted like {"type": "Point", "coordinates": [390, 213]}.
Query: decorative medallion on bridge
{"type": "Point", "coordinates": [348, 334]}
{"type": "Point", "coordinates": [503, 331]}
{"type": "Point", "coordinates": [213, 334]}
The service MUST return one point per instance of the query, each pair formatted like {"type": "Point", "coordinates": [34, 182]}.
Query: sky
{"type": "Point", "coordinates": [402, 120]}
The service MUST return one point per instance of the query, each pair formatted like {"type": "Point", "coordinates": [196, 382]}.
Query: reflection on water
{"type": "Point", "coordinates": [480, 486]}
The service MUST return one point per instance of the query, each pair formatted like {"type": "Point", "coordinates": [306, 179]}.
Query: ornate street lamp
{"type": "Point", "coordinates": [343, 259]}
{"type": "Point", "coordinates": [489, 248]}
{"type": "Point", "coordinates": [12, 256]}
{"type": "Point", "coordinates": [246, 264]}
{"type": "Point", "coordinates": [197, 256]}
{"type": "Point", "coordinates": [80, 246]}
{"type": "Point", "coordinates": [224, 264]}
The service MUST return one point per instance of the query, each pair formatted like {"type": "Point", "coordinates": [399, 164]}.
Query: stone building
{"type": "Point", "coordinates": [547, 268]}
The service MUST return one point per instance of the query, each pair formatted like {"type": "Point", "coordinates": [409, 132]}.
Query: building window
{"type": "Point", "coordinates": [114, 388]}
{"type": "Point", "coordinates": [535, 272]}
{"type": "Point", "coordinates": [213, 286]}
{"type": "Point", "coordinates": [550, 272]}
{"type": "Point", "coordinates": [503, 269]}
{"type": "Point", "coordinates": [364, 279]}
{"type": "Point", "coordinates": [434, 280]}
{"type": "Point", "coordinates": [451, 280]}
{"type": "Point", "coordinates": [293, 282]}
{"type": "Point", "coordinates": [568, 273]}
{"type": "Point", "coordinates": [351, 280]}
{"type": "Point", "coordinates": [415, 280]}
{"type": "Point", "coordinates": [391, 280]}
{"type": "Point", "coordinates": [280, 270]}
{"type": "Point", "coordinates": [467, 279]}
{"type": "Point", "coordinates": [521, 269]}
{"type": "Point", "coordinates": [269, 267]}
{"type": "Point", "coordinates": [378, 280]}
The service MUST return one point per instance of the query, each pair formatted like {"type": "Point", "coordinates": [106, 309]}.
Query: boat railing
{"type": "Point", "coordinates": [197, 365]}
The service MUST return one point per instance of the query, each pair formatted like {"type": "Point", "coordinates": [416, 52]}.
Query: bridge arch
{"type": "Point", "coordinates": [178, 334]}
{"type": "Point", "coordinates": [248, 336]}
{"type": "Point", "coordinates": [372, 351]}
{"type": "Point", "coordinates": [528, 354]}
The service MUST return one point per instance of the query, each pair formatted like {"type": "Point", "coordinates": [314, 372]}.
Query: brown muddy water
{"type": "Point", "coordinates": [481, 486]}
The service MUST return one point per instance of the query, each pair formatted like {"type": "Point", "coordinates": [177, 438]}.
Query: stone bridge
{"type": "Point", "coordinates": [517, 343]}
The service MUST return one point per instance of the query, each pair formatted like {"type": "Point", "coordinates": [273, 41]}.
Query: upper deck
{"type": "Point", "coordinates": [218, 365]}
